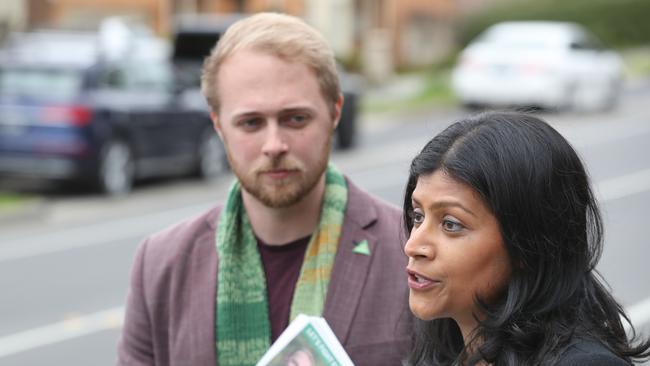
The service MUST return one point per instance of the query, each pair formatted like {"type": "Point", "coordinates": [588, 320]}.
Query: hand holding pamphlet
{"type": "Point", "coordinates": [307, 341]}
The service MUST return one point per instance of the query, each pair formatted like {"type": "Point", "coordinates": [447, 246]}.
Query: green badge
{"type": "Point", "coordinates": [362, 248]}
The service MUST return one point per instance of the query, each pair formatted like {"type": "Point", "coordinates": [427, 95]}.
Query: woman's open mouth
{"type": "Point", "coordinates": [418, 282]}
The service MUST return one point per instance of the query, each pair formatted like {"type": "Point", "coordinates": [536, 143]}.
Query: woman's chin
{"type": "Point", "coordinates": [423, 312]}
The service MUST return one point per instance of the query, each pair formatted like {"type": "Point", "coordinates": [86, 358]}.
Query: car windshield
{"type": "Point", "coordinates": [40, 83]}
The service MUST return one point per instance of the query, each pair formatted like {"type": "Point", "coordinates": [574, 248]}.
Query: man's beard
{"type": "Point", "coordinates": [283, 192]}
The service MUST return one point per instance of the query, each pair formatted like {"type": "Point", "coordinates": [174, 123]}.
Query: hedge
{"type": "Point", "coordinates": [618, 23]}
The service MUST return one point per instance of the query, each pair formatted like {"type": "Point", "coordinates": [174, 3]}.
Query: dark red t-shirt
{"type": "Point", "coordinates": [282, 268]}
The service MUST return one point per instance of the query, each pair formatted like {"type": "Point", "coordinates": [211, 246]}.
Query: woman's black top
{"type": "Point", "coordinates": [589, 352]}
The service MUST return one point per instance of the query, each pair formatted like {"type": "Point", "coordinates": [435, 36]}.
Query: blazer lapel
{"type": "Point", "coordinates": [202, 305]}
{"type": "Point", "coordinates": [350, 266]}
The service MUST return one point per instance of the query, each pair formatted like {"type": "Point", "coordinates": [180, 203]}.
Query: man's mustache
{"type": "Point", "coordinates": [281, 163]}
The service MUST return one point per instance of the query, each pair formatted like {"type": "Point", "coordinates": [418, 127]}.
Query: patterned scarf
{"type": "Point", "coordinates": [243, 330]}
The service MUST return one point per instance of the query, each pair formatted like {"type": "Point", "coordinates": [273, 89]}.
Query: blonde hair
{"type": "Point", "coordinates": [284, 36]}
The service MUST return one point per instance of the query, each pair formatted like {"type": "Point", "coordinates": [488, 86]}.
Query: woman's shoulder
{"type": "Point", "coordinates": [590, 352]}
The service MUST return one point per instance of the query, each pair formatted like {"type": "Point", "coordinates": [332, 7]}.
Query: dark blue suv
{"type": "Point", "coordinates": [72, 110]}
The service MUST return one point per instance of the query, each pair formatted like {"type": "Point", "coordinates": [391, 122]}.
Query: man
{"type": "Point", "coordinates": [294, 236]}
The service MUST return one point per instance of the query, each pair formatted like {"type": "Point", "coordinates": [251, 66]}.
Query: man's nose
{"type": "Point", "coordinates": [275, 143]}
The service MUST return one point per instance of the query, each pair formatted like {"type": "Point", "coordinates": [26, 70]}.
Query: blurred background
{"type": "Point", "coordinates": [105, 137]}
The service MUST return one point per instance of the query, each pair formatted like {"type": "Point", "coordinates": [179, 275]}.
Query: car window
{"type": "Point", "coordinates": [40, 82]}
{"type": "Point", "coordinates": [523, 37]}
{"type": "Point", "coordinates": [584, 41]}
{"type": "Point", "coordinates": [113, 79]}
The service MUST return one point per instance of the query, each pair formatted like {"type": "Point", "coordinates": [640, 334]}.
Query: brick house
{"type": "Point", "coordinates": [378, 35]}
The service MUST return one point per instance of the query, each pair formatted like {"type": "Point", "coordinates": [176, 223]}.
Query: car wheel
{"type": "Point", "coordinates": [116, 169]}
{"type": "Point", "coordinates": [612, 95]}
{"type": "Point", "coordinates": [212, 159]}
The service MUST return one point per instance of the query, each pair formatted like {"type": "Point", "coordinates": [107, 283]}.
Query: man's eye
{"type": "Point", "coordinates": [250, 123]}
{"type": "Point", "coordinates": [299, 118]}
{"type": "Point", "coordinates": [296, 120]}
{"type": "Point", "coordinates": [451, 225]}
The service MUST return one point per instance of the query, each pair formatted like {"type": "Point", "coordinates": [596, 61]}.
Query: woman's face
{"type": "Point", "coordinates": [455, 251]}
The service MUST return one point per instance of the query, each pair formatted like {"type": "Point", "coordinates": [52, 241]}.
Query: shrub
{"type": "Point", "coordinates": [618, 23]}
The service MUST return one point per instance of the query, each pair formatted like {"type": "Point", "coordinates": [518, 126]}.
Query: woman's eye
{"type": "Point", "coordinates": [417, 217]}
{"type": "Point", "coordinates": [451, 226]}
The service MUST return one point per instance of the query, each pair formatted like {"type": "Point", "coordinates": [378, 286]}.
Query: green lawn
{"type": "Point", "coordinates": [10, 201]}
{"type": "Point", "coordinates": [637, 61]}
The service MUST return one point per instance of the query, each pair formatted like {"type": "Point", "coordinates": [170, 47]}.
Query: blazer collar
{"type": "Point", "coordinates": [361, 210]}
{"type": "Point", "coordinates": [351, 269]}
{"type": "Point", "coordinates": [212, 218]}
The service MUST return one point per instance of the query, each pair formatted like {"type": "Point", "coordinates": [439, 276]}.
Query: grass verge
{"type": "Point", "coordinates": [10, 201]}
{"type": "Point", "coordinates": [637, 61]}
{"type": "Point", "coordinates": [428, 89]}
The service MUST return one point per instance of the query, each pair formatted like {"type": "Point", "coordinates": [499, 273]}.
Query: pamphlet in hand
{"type": "Point", "coordinates": [307, 341]}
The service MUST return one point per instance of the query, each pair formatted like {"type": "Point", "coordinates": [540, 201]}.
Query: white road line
{"type": "Point", "coordinates": [96, 234]}
{"type": "Point", "coordinates": [606, 190]}
{"type": "Point", "coordinates": [602, 131]}
{"type": "Point", "coordinates": [62, 331]}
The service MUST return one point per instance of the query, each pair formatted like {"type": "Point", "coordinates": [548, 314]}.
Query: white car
{"type": "Point", "coordinates": [547, 64]}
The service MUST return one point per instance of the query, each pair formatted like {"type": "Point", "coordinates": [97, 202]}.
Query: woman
{"type": "Point", "coordinates": [504, 235]}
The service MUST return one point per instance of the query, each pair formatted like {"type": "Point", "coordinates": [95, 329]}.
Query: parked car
{"type": "Point", "coordinates": [544, 64]}
{"type": "Point", "coordinates": [72, 110]}
{"type": "Point", "coordinates": [195, 36]}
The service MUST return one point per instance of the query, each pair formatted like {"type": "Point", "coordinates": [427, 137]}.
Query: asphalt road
{"type": "Point", "coordinates": [64, 268]}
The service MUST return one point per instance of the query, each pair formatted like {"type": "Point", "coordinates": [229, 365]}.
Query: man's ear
{"type": "Point", "coordinates": [337, 110]}
{"type": "Point", "coordinates": [216, 123]}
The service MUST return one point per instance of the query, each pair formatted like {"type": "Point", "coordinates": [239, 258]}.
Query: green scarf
{"type": "Point", "coordinates": [243, 330]}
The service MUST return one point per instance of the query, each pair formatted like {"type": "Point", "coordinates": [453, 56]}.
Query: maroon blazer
{"type": "Point", "coordinates": [170, 310]}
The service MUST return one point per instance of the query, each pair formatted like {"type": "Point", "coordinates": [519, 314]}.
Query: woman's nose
{"type": "Point", "coordinates": [417, 245]}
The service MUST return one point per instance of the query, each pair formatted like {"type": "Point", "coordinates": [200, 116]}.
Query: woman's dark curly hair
{"type": "Point", "coordinates": [536, 186]}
